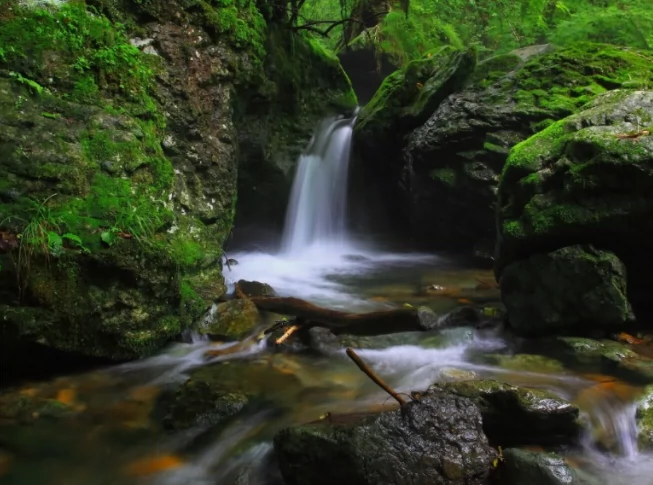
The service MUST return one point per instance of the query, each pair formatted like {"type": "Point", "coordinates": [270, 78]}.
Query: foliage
{"type": "Point", "coordinates": [491, 26]}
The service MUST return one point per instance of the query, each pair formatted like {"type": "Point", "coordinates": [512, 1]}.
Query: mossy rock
{"type": "Point", "coordinates": [644, 417]}
{"type": "Point", "coordinates": [198, 403]}
{"type": "Point", "coordinates": [121, 210]}
{"type": "Point", "coordinates": [514, 416]}
{"type": "Point", "coordinates": [535, 468]}
{"type": "Point", "coordinates": [408, 96]}
{"type": "Point", "coordinates": [233, 319]}
{"type": "Point", "coordinates": [443, 178]}
{"type": "Point", "coordinates": [584, 179]}
{"type": "Point", "coordinates": [573, 290]}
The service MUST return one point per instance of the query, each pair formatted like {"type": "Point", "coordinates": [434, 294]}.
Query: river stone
{"type": "Point", "coordinates": [256, 288]}
{"type": "Point", "coordinates": [199, 403]}
{"type": "Point", "coordinates": [437, 439]}
{"type": "Point", "coordinates": [644, 416]}
{"type": "Point", "coordinates": [233, 319]}
{"type": "Point", "coordinates": [608, 354]}
{"type": "Point", "coordinates": [521, 467]}
{"type": "Point", "coordinates": [576, 289]}
{"type": "Point", "coordinates": [514, 416]}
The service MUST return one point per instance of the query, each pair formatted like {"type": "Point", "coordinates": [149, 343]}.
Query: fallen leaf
{"type": "Point", "coordinates": [66, 396]}
{"type": "Point", "coordinates": [154, 464]}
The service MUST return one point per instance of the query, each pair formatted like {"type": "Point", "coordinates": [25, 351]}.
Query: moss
{"type": "Point", "coordinates": [409, 96]}
{"type": "Point", "coordinates": [556, 85]}
{"type": "Point", "coordinates": [494, 68]}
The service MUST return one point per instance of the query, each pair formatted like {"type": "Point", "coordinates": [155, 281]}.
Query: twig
{"type": "Point", "coordinates": [292, 329]}
{"type": "Point", "coordinates": [372, 375]}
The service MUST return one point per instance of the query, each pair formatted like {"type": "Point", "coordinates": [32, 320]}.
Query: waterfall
{"type": "Point", "coordinates": [317, 210]}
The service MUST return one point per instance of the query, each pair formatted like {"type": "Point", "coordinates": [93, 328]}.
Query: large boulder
{"type": "Point", "coordinates": [437, 439]}
{"type": "Point", "coordinates": [576, 289]}
{"type": "Point", "coordinates": [514, 416]}
{"type": "Point", "coordinates": [404, 101]}
{"type": "Point", "coordinates": [585, 179]}
{"type": "Point", "coordinates": [444, 174]}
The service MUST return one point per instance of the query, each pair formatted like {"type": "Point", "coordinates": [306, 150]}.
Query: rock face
{"type": "Point", "coordinates": [586, 179]}
{"type": "Point", "coordinates": [576, 289]}
{"type": "Point", "coordinates": [119, 162]}
{"type": "Point", "coordinates": [443, 174]}
{"type": "Point", "coordinates": [514, 416]}
{"type": "Point", "coordinates": [438, 439]}
{"type": "Point", "coordinates": [404, 101]}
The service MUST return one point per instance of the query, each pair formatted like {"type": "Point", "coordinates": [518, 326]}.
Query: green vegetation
{"type": "Point", "coordinates": [490, 26]}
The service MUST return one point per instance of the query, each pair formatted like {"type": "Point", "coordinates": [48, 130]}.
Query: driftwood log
{"type": "Point", "coordinates": [362, 324]}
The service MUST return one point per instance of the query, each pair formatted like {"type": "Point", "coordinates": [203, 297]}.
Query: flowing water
{"type": "Point", "coordinates": [108, 427]}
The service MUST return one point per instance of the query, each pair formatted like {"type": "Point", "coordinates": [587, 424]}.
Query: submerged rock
{"type": "Point", "coordinates": [522, 467]}
{"type": "Point", "coordinates": [438, 439]}
{"type": "Point", "coordinates": [576, 289]}
{"type": "Point", "coordinates": [233, 319]}
{"type": "Point", "coordinates": [644, 417]}
{"type": "Point", "coordinates": [199, 403]}
{"type": "Point", "coordinates": [514, 416]}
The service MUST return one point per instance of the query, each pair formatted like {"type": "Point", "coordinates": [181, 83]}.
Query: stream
{"type": "Point", "coordinates": [108, 426]}
{"type": "Point", "coordinates": [105, 426]}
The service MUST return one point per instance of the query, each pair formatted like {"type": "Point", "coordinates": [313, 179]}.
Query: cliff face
{"type": "Point", "coordinates": [119, 152]}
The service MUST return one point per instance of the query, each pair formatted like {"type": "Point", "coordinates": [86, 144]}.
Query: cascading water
{"type": "Point", "coordinates": [317, 210]}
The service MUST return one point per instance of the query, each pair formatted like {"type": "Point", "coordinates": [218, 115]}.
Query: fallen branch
{"type": "Point", "coordinates": [372, 375]}
{"type": "Point", "coordinates": [287, 334]}
{"type": "Point", "coordinates": [362, 324]}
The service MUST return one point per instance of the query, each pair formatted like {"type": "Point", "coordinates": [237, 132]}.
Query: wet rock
{"type": "Point", "coordinates": [566, 186]}
{"type": "Point", "coordinates": [644, 417]}
{"type": "Point", "coordinates": [200, 403]}
{"type": "Point", "coordinates": [438, 439]}
{"type": "Point", "coordinates": [451, 374]}
{"type": "Point", "coordinates": [514, 416]}
{"type": "Point", "coordinates": [521, 467]}
{"type": "Point", "coordinates": [256, 288]}
{"type": "Point", "coordinates": [609, 354]}
{"type": "Point", "coordinates": [526, 363]}
{"type": "Point", "coordinates": [443, 176]}
{"type": "Point", "coordinates": [233, 319]}
{"type": "Point", "coordinates": [573, 290]}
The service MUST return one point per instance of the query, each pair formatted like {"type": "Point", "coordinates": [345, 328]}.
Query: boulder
{"type": "Point", "coordinates": [514, 416]}
{"type": "Point", "coordinates": [443, 175]}
{"type": "Point", "coordinates": [199, 403]}
{"type": "Point", "coordinates": [573, 290]}
{"type": "Point", "coordinates": [535, 468]}
{"type": "Point", "coordinates": [233, 319]}
{"type": "Point", "coordinates": [437, 439]}
{"type": "Point", "coordinates": [586, 179]}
